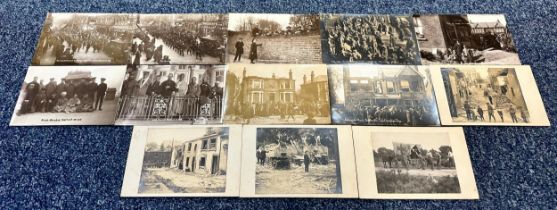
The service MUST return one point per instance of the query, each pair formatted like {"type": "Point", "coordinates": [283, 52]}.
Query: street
{"type": "Point", "coordinates": [298, 119]}
{"type": "Point", "coordinates": [81, 57]}
{"type": "Point", "coordinates": [420, 172]}
{"type": "Point", "coordinates": [478, 99]}
{"type": "Point", "coordinates": [170, 180]}
{"type": "Point", "coordinates": [321, 179]}
{"type": "Point", "coordinates": [175, 58]}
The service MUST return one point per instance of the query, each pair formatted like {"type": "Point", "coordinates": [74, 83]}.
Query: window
{"type": "Point", "coordinates": [189, 147]}
{"type": "Point", "coordinates": [390, 87]}
{"type": "Point", "coordinates": [204, 145]}
{"type": "Point", "coordinates": [378, 87]}
{"type": "Point", "coordinates": [213, 143]}
{"type": "Point", "coordinates": [256, 84]}
{"type": "Point", "coordinates": [271, 96]}
{"type": "Point", "coordinates": [202, 162]}
{"type": "Point", "coordinates": [187, 161]}
{"type": "Point", "coordinates": [288, 97]}
{"type": "Point", "coordinates": [404, 86]}
{"type": "Point", "coordinates": [195, 147]}
{"type": "Point", "coordinates": [256, 97]}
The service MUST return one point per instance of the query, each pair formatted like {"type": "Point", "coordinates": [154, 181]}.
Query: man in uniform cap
{"type": "Point", "coordinates": [101, 91]}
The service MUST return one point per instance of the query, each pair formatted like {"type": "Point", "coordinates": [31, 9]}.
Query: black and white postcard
{"type": "Point", "coordinates": [274, 38]}
{"type": "Point", "coordinates": [179, 39]}
{"type": "Point", "coordinates": [298, 161]}
{"type": "Point", "coordinates": [465, 39]}
{"type": "Point", "coordinates": [277, 94]}
{"type": "Point", "coordinates": [180, 161]}
{"type": "Point", "coordinates": [488, 95]}
{"type": "Point", "coordinates": [69, 95]}
{"type": "Point", "coordinates": [172, 94]}
{"type": "Point", "coordinates": [382, 95]}
{"type": "Point", "coordinates": [85, 39]}
{"type": "Point", "coordinates": [380, 39]}
{"type": "Point", "coordinates": [413, 163]}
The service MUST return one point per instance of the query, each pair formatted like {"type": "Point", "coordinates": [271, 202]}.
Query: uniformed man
{"type": "Point", "coordinates": [101, 92]}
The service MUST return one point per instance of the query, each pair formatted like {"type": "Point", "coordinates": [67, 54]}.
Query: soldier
{"type": "Point", "coordinates": [306, 161]}
{"type": "Point", "coordinates": [101, 91]}
{"type": "Point", "coordinates": [239, 49]}
{"type": "Point", "coordinates": [92, 89]}
{"type": "Point", "coordinates": [168, 87]}
{"type": "Point", "coordinates": [51, 87]}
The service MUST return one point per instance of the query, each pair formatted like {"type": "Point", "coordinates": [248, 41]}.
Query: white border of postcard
{"type": "Point", "coordinates": [530, 92]}
{"type": "Point", "coordinates": [346, 156]}
{"type": "Point", "coordinates": [366, 165]}
{"type": "Point", "coordinates": [136, 152]}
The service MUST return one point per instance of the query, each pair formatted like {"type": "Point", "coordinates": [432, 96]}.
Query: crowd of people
{"type": "Point", "coordinates": [84, 95]}
{"type": "Point", "coordinates": [378, 39]}
{"type": "Point", "coordinates": [395, 114]}
{"type": "Point", "coordinates": [66, 43]}
{"type": "Point", "coordinates": [177, 38]}
{"type": "Point", "coordinates": [181, 99]}
{"type": "Point", "coordinates": [286, 111]}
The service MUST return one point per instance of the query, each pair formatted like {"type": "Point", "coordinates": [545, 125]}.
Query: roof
{"type": "Point", "coordinates": [321, 78]}
{"type": "Point", "coordinates": [496, 24]}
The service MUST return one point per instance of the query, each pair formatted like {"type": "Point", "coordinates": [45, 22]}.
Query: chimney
{"type": "Point", "coordinates": [305, 79]}
{"type": "Point", "coordinates": [312, 76]}
{"type": "Point", "coordinates": [290, 74]}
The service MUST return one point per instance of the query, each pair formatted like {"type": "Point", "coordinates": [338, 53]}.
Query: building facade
{"type": "Point", "coordinates": [405, 88]}
{"type": "Point", "coordinates": [204, 155]}
{"type": "Point", "coordinates": [260, 90]}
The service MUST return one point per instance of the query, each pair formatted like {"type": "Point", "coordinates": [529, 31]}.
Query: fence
{"type": "Point", "coordinates": [174, 108]}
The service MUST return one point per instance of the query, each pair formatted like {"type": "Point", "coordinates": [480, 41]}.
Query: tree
{"type": "Point", "coordinates": [162, 147]}
{"type": "Point", "coordinates": [151, 146]}
{"type": "Point", "coordinates": [445, 150]}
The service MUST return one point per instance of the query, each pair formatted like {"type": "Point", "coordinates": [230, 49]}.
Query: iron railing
{"type": "Point", "coordinates": [173, 108]}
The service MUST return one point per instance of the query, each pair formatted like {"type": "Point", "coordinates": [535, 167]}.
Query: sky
{"type": "Point", "coordinates": [280, 70]}
{"type": "Point", "coordinates": [487, 18]}
{"type": "Point", "coordinates": [114, 74]}
{"type": "Point", "coordinates": [166, 135]}
{"type": "Point", "coordinates": [427, 140]}
{"type": "Point", "coordinates": [236, 19]}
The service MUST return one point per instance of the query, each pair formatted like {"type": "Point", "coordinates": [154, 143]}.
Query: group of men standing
{"type": "Point", "coordinates": [181, 98]}
{"type": "Point", "coordinates": [379, 39]}
{"type": "Point", "coordinates": [83, 95]}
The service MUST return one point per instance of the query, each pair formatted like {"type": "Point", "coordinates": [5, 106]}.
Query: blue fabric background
{"type": "Point", "coordinates": [82, 167]}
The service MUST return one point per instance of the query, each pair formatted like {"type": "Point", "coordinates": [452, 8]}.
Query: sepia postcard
{"type": "Point", "coordinates": [69, 95]}
{"type": "Point", "coordinates": [274, 38]}
{"type": "Point", "coordinates": [183, 161]}
{"type": "Point", "coordinates": [298, 161]}
{"type": "Point", "coordinates": [382, 95]}
{"type": "Point", "coordinates": [488, 95]}
{"type": "Point", "coordinates": [379, 39]}
{"type": "Point", "coordinates": [85, 39]}
{"type": "Point", "coordinates": [277, 94]}
{"type": "Point", "coordinates": [172, 94]}
{"type": "Point", "coordinates": [465, 39]}
{"type": "Point", "coordinates": [179, 39]}
{"type": "Point", "coordinates": [413, 163]}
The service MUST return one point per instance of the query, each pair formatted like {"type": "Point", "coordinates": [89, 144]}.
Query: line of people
{"type": "Point", "coordinates": [182, 100]}
{"type": "Point", "coordinates": [85, 96]}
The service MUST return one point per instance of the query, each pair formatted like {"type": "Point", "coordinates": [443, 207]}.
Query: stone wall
{"type": "Point", "coordinates": [303, 49]}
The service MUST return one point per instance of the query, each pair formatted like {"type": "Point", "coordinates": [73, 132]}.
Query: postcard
{"type": "Point", "coordinates": [379, 39]}
{"type": "Point", "coordinates": [413, 163]}
{"type": "Point", "coordinates": [465, 39]}
{"type": "Point", "coordinates": [274, 38]}
{"type": "Point", "coordinates": [183, 161]}
{"type": "Point", "coordinates": [172, 94]}
{"type": "Point", "coordinates": [69, 95]}
{"type": "Point", "coordinates": [298, 161]}
{"type": "Point", "coordinates": [85, 39]}
{"type": "Point", "coordinates": [382, 95]}
{"type": "Point", "coordinates": [277, 94]}
{"type": "Point", "coordinates": [488, 95]}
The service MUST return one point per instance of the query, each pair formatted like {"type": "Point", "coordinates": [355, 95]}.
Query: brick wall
{"type": "Point", "coordinates": [280, 49]}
